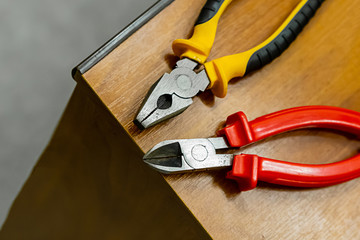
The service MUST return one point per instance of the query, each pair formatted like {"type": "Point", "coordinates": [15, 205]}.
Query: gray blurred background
{"type": "Point", "coordinates": [40, 42]}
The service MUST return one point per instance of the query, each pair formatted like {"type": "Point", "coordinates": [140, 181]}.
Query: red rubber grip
{"type": "Point", "coordinates": [248, 169]}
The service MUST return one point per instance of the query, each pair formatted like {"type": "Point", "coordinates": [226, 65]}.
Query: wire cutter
{"type": "Point", "coordinates": [173, 92]}
{"type": "Point", "coordinates": [176, 156]}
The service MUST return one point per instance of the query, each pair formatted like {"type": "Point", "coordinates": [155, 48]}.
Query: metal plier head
{"type": "Point", "coordinates": [171, 94]}
{"type": "Point", "coordinates": [175, 156]}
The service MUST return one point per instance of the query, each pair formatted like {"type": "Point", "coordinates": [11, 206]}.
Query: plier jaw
{"type": "Point", "coordinates": [176, 156]}
{"type": "Point", "coordinates": [171, 94]}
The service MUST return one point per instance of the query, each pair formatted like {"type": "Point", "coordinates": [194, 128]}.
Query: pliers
{"type": "Point", "coordinates": [173, 92]}
{"type": "Point", "coordinates": [175, 156]}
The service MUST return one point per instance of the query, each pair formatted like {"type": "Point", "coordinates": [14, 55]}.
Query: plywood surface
{"type": "Point", "coordinates": [321, 67]}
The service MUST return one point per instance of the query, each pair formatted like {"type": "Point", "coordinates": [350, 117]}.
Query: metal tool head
{"type": "Point", "coordinates": [175, 156]}
{"type": "Point", "coordinates": [171, 94]}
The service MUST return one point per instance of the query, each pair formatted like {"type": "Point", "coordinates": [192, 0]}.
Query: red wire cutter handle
{"type": "Point", "coordinates": [248, 169]}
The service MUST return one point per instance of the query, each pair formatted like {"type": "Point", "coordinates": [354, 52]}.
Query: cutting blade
{"type": "Point", "coordinates": [175, 156]}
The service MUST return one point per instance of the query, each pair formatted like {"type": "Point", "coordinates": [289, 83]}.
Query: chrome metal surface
{"type": "Point", "coordinates": [175, 156]}
{"type": "Point", "coordinates": [172, 94]}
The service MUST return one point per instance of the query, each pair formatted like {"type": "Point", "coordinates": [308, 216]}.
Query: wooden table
{"type": "Point", "coordinates": [320, 68]}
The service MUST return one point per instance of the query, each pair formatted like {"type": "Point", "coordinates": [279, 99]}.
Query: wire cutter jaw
{"type": "Point", "coordinates": [176, 156]}
{"type": "Point", "coordinates": [172, 94]}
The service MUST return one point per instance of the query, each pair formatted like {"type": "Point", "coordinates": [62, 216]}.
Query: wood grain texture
{"type": "Point", "coordinates": [90, 183]}
{"type": "Point", "coordinates": [320, 68]}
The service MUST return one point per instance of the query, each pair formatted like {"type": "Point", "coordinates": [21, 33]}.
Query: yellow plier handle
{"type": "Point", "coordinates": [220, 71]}
{"type": "Point", "coordinates": [198, 47]}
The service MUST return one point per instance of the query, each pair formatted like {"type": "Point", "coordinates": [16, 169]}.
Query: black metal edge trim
{"type": "Point", "coordinates": [120, 37]}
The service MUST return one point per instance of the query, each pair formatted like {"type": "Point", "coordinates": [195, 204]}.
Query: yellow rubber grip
{"type": "Point", "coordinates": [198, 47]}
{"type": "Point", "coordinates": [220, 71]}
